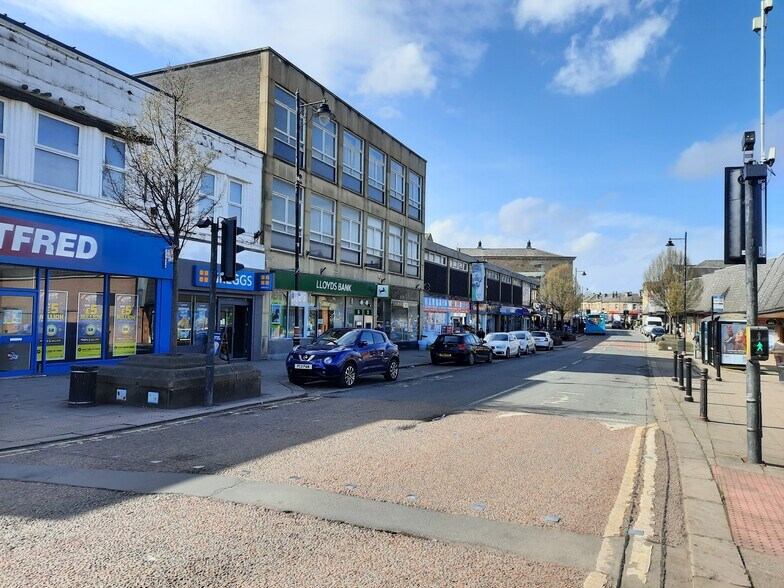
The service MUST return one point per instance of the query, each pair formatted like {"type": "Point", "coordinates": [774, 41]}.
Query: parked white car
{"type": "Point", "coordinates": [543, 340]}
{"type": "Point", "coordinates": [526, 341]}
{"type": "Point", "coordinates": [503, 344]}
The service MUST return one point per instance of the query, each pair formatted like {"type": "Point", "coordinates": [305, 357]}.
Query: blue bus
{"type": "Point", "coordinates": [595, 324]}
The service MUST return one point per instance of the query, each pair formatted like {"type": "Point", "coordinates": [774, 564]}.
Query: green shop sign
{"type": "Point", "coordinates": [284, 280]}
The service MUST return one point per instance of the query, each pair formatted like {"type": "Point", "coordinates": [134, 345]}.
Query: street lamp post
{"type": "Point", "coordinates": [325, 116]}
{"type": "Point", "coordinates": [580, 291]}
{"type": "Point", "coordinates": [685, 245]}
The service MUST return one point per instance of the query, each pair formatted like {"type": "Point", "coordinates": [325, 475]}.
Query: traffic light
{"type": "Point", "coordinates": [757, 347]}
{"type": "Point", "coordinates": [230, 249]}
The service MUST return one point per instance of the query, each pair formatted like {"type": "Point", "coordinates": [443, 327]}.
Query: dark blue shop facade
{"type": "Point", "coordinates": [78, 292]}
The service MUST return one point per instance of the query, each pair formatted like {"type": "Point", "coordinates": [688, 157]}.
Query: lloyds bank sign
{"type": "Point", "coordinates": [284, 280]}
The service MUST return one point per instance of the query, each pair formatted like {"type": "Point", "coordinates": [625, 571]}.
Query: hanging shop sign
{"type": "Point", "coordinates": [89, 325]}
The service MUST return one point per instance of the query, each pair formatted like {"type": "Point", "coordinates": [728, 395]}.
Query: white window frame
{"type": "Point", "coordinates": [377, 168]}
{"type": "Point", "coordinates": [435, 258]}
{"type": "Point", "coordinates": [2, 136]}
{"type": "Point", "coordinates": [106, 167]}
{"type": "Point", "coordinates": [397, 180]}
{"type": "Point", "coordinates": [319, 236]}
{"type": "Point", "coordinates": [354, 225]}
{"type": "Point", "coordinates": [230, 204]}
{"type": "Point", "coordinates": [414, 195]}
{"type": "Point", "coordinates": [319, 153]}
{"type": "Point", "coordinates": [506, 279]}
{"type": "Point", "coordinates": [353, 155]}
{"type": "Point", "coordinates": [286, 226]}
{"type": "Point", "coordinates": [397, 246]}
{"type": "Point", "coordinates": [458, 265]}
{"type": "Point", "coordinates": [491, 275]}
{"type": "Point", "coordinates": [375, 238]}
{"type": "Point", "coordinates": [77, 157]}
{"type": "Point", "coordinates": [289, 135]}
{"type": "Point", "coordinates": [202, 210]}
{"type": "Point", "coordinates": [413, 254]}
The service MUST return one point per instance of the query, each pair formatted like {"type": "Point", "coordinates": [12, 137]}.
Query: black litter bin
{"type": "Point", "coordinates": [83, 383]}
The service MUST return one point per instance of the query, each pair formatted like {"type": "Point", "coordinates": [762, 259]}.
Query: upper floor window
{"type": "Point", "coordinates": [377, 174]}
{"type": "Point", "coordinates": [375, 243]}
{"type": "Point", "coordinates": [458, 265]}
{"type": "Point", "coordinates": [2, 138]}
{"type": "Point", "coordinates": [322, 227]}
{"type": "Point", "coordinates": [492, 275]}
{"type": "Point", "coordinates": [395, 249]}
{"type": "Point", "coordinates": [325, 149]}
{"type": "Point", "coordinates": [57, 154]}
{"type": "Point", "coordinates": [352, 162]}
{"type": "Point", "coordinates": [506, 279]}
{"type": "Point", "coordinates": [351, 236]}
{"type": "Point", "coordinates": [285, 131]}
{"type": "Point", "coordinates": [207, 196]}
{"type": "Point", "coordinates": [435, 258]}
{"type": "Point", "coordinates": [113, 174]}
{"type": "Point", "coordinates": [412, 254]}
{"type": "Point", "coordinates": [397, 186]}
{"type": "Point", "coordinates": [235, 201]}
{"type": "Point", "coordinates": [414, 195]}
{"type": "Point", "coordinates": [284, 206]}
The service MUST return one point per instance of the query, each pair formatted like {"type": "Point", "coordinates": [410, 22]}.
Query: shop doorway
{"type": "Point", "coordinates": [234, 321]}
{"type": "Point", "coordinates": [17, 332]}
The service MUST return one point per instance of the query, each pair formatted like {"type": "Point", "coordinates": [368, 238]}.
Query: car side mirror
{"type": "Point", "coordinates": [362, 344]}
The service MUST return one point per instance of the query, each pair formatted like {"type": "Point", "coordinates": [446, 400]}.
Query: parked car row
{"type": "Point", "coordinates": [468, 348]}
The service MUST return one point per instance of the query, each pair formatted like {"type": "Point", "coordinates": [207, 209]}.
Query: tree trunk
{"type": "Point", "coordinates": [175, 294]}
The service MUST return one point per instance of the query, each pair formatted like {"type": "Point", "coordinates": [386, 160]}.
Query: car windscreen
{"type": "Point", "coordinates": [349, 338]}
{"type": "Point", "coordinates": [330, 336]}
{"type": "Point", "coordinates": [539, 334]}
{"type": "Point", "coordinates": [498, 337]}
{"type": "Point", "coordinates": [449, 339]}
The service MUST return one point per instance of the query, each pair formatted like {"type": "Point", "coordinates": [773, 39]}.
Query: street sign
{"type": "Point", "coordinates": [718, 304]}
{"type": "Point", "coordinates": [757, 343]}
{"type": "Point", "coordinates": [299, 298]}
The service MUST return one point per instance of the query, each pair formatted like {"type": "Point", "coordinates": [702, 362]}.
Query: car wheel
{"type": "Point", "coordinates": [348, 375]}
{"type": "Point", "coordinates": [519, 351]}
{"type": "Point", "coordinates": [392, 370]}
{"type": "Point", "coordinates": [534, 351]}
{"type": "Point", "coordinates": [434, 360]}
{"type": "Point", "coordinates": [490, 357]}
{"type": "Point", "coordinates": [470, 359]}
{"type": "Point", "coordinates": [508, 355]}
{"type": "Point", "coordinates": [551, 346]}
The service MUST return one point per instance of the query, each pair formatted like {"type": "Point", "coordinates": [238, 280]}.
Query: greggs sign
{"type": "Point", "coordinates": [48, 241]}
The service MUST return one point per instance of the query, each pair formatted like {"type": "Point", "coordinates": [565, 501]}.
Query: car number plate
{"type": "Point", "coordinates": [444, 355]}
{"type": "Point", "coordinates": [303, 366]}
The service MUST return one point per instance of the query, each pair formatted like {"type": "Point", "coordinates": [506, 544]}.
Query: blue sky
{"type": "Point", "coordinates": [595, 128]}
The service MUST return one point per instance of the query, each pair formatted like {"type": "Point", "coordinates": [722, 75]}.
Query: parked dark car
{"type": "Point", "coordinates": [342, 355]}
{"type": "Point", "coordinates": [617, 325]}
{"type": "Point", "coordinates": [655, 333]}
{"type": "Point", "coordinates": [463, 347]}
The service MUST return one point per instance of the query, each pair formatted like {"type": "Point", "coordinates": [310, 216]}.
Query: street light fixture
{"type": "Point", "coordinates": [685, 243]}
{"type": "Point", "coordinates": [305, 112]}
{"type": "Point", "coordinates": [577, 284]}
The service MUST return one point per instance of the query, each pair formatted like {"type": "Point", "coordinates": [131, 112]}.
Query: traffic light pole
{"type": "Point", "coordinates": [209, 377]}
{"type": "Point", "coordinates": [753, 393]}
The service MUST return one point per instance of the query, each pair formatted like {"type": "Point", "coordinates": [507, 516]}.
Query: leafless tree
{"type": "Point", "coordinates": [560, 289]}
{"type": "Point", "coordinates": [663, 281]}
{"type": "Point", "coordinates": [165, 161]}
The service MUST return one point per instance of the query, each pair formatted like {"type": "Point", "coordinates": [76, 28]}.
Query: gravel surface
{"type": "Point", "coordinates": [62, 536]}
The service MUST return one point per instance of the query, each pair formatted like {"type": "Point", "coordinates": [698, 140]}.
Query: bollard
{"type": "Point", "coordinates": [687, 371]}
{"type": "Point", "coordinates": [674, 366]}
{"type": "Point", "coordinates": [718, 368]}
{"type": "Point", "coordinates": [680, 372]}
{"type": "Point", "coordinates": [704, 395]}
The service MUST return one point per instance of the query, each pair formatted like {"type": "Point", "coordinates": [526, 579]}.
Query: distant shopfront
{"type": "Point", "coordinates": [73, 291]}
{"type": "Point", "coordinates": [442, 314]}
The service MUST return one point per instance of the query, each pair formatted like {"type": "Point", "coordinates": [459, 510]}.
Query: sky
{"type": "Point", "coordinates": [592, 128]}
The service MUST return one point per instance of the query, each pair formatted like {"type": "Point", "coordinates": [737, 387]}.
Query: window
{"type": "Point", "coordinates": [57, 154]}
{"type": "Point", "coordinates": [506, 279]}
{"type": "Point", "coordinates": [283, 215]}
{"type": "Point", "coordinates": [285, 131]}
{"type": "Point", "coordinates": [235, 201]}
{"type": "Point", "coordinates": [491, 275]}
{"type": "Point", "coordinates": [352, 162]}
{"type": "Point", "coordinates": [435, 258]}
{"type": "Point", "coordinates": [113, 175]}
{"type": "Point", "coordinates": [351, 236]}
{"type": "Point", "coordinates": [377, 173]}
{"type": "Point", "coordinates": [375, 243]}
{"type": "Point", "coordinates": [2, 138]}
{"type": "Point", "coordinates": [322, 227]}
{"type": "Point", "coordinates": [414, 195]}
{"type": "Point", "coordinates": [378, 338]}
{"type": "Point", "coordinates": [395, 249]}
{"type": "Point", "coordinates": [412, 254]}
{"type": "Point", "coordinates": [458, 265]}
{"type": "Point", "coordinates": [325, 149]}
{"type": "Point", "coordinates": [207, 198]}
{"type": "Point", "coordinates": [397, 186]}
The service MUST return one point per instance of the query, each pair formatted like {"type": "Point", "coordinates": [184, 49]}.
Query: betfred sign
{"type": "Point", "coordinates": [41, 240]}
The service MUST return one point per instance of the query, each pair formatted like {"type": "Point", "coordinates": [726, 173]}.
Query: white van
{"type": "Point", "coordinates": [648, 322]}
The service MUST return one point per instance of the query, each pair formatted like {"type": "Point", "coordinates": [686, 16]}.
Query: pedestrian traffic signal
{"type": "Point", "coordinates": [757, 346]}
{"type": "Point", "coordinates": [230, 249]}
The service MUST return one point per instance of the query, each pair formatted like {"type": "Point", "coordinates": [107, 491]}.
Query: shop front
{"type": "Point", "coordinates": [443, 315]}
{"type": "Point", "coordinates": [398, 315]}
{"type": "Point", "coordinates": [238, 312]}
{"type": "Point", "coordinates": [73, 291]}
{"type": "Point", "coordinates": [515, 318]}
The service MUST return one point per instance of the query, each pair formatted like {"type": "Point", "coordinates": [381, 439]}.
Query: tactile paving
{"type": "Point", "coordinates": [755, 505]}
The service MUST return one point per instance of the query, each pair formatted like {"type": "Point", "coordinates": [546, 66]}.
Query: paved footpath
{"type": "Point", "coordinates": [734, 510]}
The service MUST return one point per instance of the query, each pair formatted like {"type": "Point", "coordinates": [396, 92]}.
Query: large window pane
{"type": "Point", "coordinates": [58, 135]}
{"type": "Point", "coordinates": [83, 295]}
{"type": "Point", "coordinates": [131, 316]}
{"type": "Point", "coordinates": [17, 276]}
{"type": "Point", "coordinates": [56, 170]}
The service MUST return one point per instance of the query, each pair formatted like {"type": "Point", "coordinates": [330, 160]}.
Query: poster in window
{"type": "Point", "coordinates": [125, 317]}
{"type": "Point", "coordinates": [89, 325]}
{"type": "Point", "coordinates": [184, 323]}
{"type": "Point", "coordinates": [200, 323]}
{"type": "Point", "coordinates": [54, 325]}
{"type": "Point", "coordinates": [275, 313]}
{"type": "Point", "coordinates": [733, 343]}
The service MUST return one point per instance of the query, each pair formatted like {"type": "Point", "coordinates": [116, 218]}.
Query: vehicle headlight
{"type": "Point", "coordinates": [327, 360]}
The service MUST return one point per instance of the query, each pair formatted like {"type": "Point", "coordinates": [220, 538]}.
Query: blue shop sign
{"type": "Point", "coordinates": [265, 281]}
{"type": "Point", "coordinates": [42, 240]}
{"type": "Point", "coordinates": [245, 280]}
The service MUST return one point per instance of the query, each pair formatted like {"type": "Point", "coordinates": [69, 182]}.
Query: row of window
{"type": "Point", "coordinates": [386, 178]}
{"type": "Point", "coordinates": [323, 238]}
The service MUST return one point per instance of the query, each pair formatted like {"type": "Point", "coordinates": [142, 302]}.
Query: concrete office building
{"type": "Point", "coordinates": [363, 200]}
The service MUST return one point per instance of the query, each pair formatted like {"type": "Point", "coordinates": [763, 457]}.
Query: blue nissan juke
{"type": "Point", "coordinates": [342, 355]}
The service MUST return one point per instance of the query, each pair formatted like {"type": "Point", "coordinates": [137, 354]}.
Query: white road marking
{"type": "Point", "coordinates": [576, 362]}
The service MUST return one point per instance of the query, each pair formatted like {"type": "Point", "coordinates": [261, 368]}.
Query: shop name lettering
{"type": "Point", "coordinates": [38, 241]}
{"type": "Point", "coordinates": [333, 286]}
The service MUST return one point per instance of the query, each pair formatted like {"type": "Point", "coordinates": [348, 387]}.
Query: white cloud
{"type": "Point", "coordinates": [375, 48]}
{"type": "Point", "coordinates": [708, 158]}
{"type": "Point", "coordinates": [523, 215]}
{"type": "Point", "coordinates": [590, 241]}
{"type": "Point", "coordinates": [602, 63]}
{"type": "Point", "coordinates": [543, 13]}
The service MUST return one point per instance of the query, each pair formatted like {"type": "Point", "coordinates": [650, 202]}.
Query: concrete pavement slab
{"type": "Point", "coordinates": [717, 560]}
{"type": "Point", "coordinates": [706, 518]}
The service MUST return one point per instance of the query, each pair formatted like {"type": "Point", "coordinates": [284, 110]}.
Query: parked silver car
{"type": "Point", "coordinates": [503, 344]}
{"type": "Point", "coordinates": [527, 344]}
{"type": "Point", "coordinates": [543, 340]}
